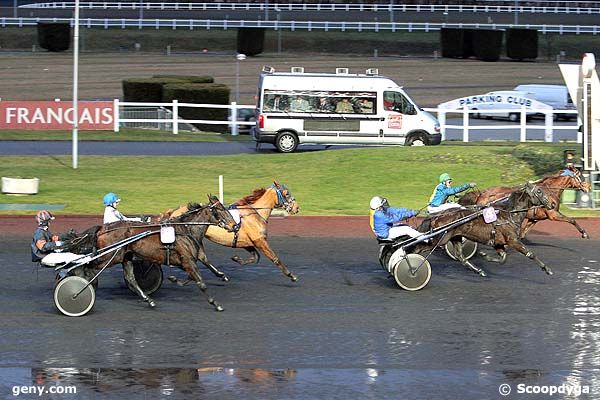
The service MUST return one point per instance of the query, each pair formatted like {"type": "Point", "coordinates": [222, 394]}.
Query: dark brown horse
{"type": "Point", "coordinates": [501, 234]}
{"type": "Point", "coordinates": [553, 186]}
{"type": "Point", "coordinates": [254, 211]}
{"type": "Point", "coordinates": [189, 228]}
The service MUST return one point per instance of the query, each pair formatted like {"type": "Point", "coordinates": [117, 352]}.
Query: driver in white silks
{"type": "Point", "coordinates": [439, 198]}
{"type": "Point", "coordinates": [111, 214]}
{"type": "Point", "coordinates": [386, 220]}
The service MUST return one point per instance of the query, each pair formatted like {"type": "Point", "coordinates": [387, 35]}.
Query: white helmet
{"type": "Point", "coordinates": [376, 202]}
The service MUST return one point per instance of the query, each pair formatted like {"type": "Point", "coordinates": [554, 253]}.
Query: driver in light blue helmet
{"type": "Point", "coordinates": [111, 214]}
{"type": "Point", "coordinates": [439, 198]}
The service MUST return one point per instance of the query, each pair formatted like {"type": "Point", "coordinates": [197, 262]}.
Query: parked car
{"type": "Point", "coordinates": [556, 96]}
{"type": "Point", "coordinates": [244, 115]}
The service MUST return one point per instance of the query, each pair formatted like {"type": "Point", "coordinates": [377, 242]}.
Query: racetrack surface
{"type": "Point", "coordinates": [344, 330]}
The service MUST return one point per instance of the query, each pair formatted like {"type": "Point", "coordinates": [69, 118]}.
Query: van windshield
{"type": "Point", "coordinates": [330, 102]}
{"type": "Point", "coordinates": [395, 101]}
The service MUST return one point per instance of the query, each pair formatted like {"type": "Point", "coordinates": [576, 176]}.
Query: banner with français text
{"type": "Point", "coordinates": [56, 115]}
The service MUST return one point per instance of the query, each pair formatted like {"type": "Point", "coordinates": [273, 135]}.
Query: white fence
{"type": "Point", "coordinates": [121, 108]}
{"type": "Point", "coordinates": [390, 7]}
{"type": "Point", "coordinates": [524, 115]}
{"type": "Point", "coordinates": [123, 23]}
{"type": "Point", "coordinates": [173, 121]}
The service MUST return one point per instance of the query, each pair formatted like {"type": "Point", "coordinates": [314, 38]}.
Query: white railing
{"type": "Point", "coordinates": [524, 114]}
{"type": "Point", "coordinates": [123, 23]}
{"type": "Point", "coordinates": [290, 7]}
{"type": "Point", "coordinates": [175, 120]}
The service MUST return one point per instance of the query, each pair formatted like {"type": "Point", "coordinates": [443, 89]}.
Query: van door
{"type": "Point", "coordinates": [400, 117]}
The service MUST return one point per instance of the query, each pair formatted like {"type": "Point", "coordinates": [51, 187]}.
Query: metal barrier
{"type": "Point", "coordinates": [343, 26]}
{"type": "Point", "coordinates": [333, 7]}
{"type": "Point", "coordinates": [139, 117]}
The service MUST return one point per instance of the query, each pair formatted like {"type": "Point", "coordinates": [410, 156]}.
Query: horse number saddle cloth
{"type": "Point", "coordinates": [489, 215]}
{"type": "Point", "coordinates": [55, 259]}
{"type": "Point", "coordinates": [235, 214]}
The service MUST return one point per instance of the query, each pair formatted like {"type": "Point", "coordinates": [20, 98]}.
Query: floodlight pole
{"type": "Point", "coordinates": [75, 83]}
{"type": "Point", "coordinates": [516, 12]}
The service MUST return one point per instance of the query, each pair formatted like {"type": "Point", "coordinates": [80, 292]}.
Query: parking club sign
{"type": "Point", "coordinates": [56, 115]}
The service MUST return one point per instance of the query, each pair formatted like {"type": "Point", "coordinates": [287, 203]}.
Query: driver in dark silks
{"type": "Point", "coordinates": [43, 241]}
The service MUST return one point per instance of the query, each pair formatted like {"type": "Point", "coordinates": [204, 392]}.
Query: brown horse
{"type": "Point", "coordinates": [553, 186]}
{"type": "Point", "coordinates": [190, 228]}
{"type": "Point", "coordinates": [254, 210]}
{"type": "Point", "coordinates": [501, 234]}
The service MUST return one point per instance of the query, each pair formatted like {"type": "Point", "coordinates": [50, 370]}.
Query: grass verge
{"type": "Point", "coordinates": [339, 182]}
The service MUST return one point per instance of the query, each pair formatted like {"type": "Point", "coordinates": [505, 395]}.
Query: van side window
{"type": "Point", "coordinates": [276, 103]}
{"type": "Point", "coordinates": [394, 101]}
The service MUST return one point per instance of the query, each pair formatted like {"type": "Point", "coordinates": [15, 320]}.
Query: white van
{"type": "Point", "coordinates": [556, 96]}
{"type": "Point", "coordinates": [342, 108]}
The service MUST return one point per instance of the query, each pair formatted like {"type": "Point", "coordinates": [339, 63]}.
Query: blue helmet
{"type": "Point", "coordinates": [110, 198]}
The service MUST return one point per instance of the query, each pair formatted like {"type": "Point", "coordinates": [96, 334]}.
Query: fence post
{"type": "Point", "coordinates": [234, 125]}
{"type": "Point", "coordinates": [549, 131]}
{"type": "Point", "coordinates": [221, 188]}
{"type": "Point", "coordinates": [442, 121]}
{"type": "Point", "coordinates": [116, 115]}
{"type": "Point", "coordinates": [465, 111]}
{"type": "Point", "coordinates": [523, 114]}
{"type": "Point", "coordinates": [175, 117]}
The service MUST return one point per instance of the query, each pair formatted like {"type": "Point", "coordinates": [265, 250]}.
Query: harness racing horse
{"type": "Point", "coordinates": [504, 232]}
{"type": "Point", "coordinates": [254, 211]}
{"type": "Point", "coordinates": [190, 228]}
{"type": "Point", "coordinates": [553, 186]}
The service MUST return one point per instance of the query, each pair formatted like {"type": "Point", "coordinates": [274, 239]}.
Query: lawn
{"type": "Point", "coordinates": [132, 135]}
{"type": "Point", "coordinates": [330, 182]}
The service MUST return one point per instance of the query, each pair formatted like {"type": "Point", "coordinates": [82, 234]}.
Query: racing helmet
{"type": "Point", "coordinates": [110, 199]}
{"type": "Point", "coordinates": [445, 177]}
{"type": "Point", "coordinates": [43, 217]}
{"type": "Point", "coordinates": [376, 202]}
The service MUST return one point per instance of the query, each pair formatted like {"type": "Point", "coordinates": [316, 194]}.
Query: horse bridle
{"type": "Point", "coordinates": [286, 202]}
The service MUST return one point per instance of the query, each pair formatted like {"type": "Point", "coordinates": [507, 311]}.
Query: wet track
{"type": "Point", "coordinates": [343, 331]}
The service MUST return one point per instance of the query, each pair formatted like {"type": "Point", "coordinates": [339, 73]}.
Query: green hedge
{"type": "Point", "coordinates": [54, 36]}
{"type": "Point", "coordinates": [250, 41]}
{"type": "Point", "coordinates": [209, 93]}
{"type": "Point", "coordinates": [456, 42]}
{"type": "Point", "coordinates": [521, 43]}
{"type": "Point", "coordinates": [487, 44]}
{"type": "Point", "coordinates": [146, 89]}
{"type": "Point", "coordinates": [188, 78]}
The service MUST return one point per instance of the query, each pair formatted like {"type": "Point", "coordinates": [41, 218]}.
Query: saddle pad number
{"type": "Point", "coordinates": [167, 234]}
{"type": "Point", "coordinates": [489, 215]}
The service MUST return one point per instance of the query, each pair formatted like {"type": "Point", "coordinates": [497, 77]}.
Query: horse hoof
{"type": "Point", "coordinates": [173, 279]}
{"type": "Point", "coordinates": [219, 308]}
{"type": "Point", "coordinates": [225, 278]}
{"type": "Point", "coordinates": [549, 271]}
{"type": "Point", "coordinates": [151, 303]}
{"type": "Point", "coordinates": [585, 236]}
{"type": "Point", "coordinates": [293, 278]}
{"type": "Point", "coordinates": [482, 273]}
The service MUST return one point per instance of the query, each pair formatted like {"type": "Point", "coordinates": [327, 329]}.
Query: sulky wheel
{"type": "Point", "coordinates": [385, 252]}
{"type": "Point", "coordinates": [468, 246]}
{"type": "Point", "coordinates": [148, 275]}
{"type": "Point", "coordinates": [66, 289]}
{"type": "Point", "coordinates": [412, 272]}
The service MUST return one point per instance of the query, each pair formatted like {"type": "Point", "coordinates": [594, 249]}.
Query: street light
{"type": "Point", "coordinates": [75, 84]}
{"type": "Point", "coordinates": [239, 57]}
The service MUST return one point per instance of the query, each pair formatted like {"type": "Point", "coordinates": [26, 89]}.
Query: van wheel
{"type": "Point", "coordinates": [286, 142]}
{"type": "Point", "coordinates": [476, 115]}
{"type": "Point", "coordinates": [513, 117]}
{"type": "Point", "coordinates": [416, 140]}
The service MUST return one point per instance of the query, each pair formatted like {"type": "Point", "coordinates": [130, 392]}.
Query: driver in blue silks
{"type": "Point", "coordinates": [385, 220]}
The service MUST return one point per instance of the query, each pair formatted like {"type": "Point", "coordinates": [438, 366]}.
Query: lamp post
{"type": "Point", "coordinates": [75, 84]}
{"type": "Point", "coordinates": [239, 57]}
{"type": "Point", "coordinates": [516, 12]}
